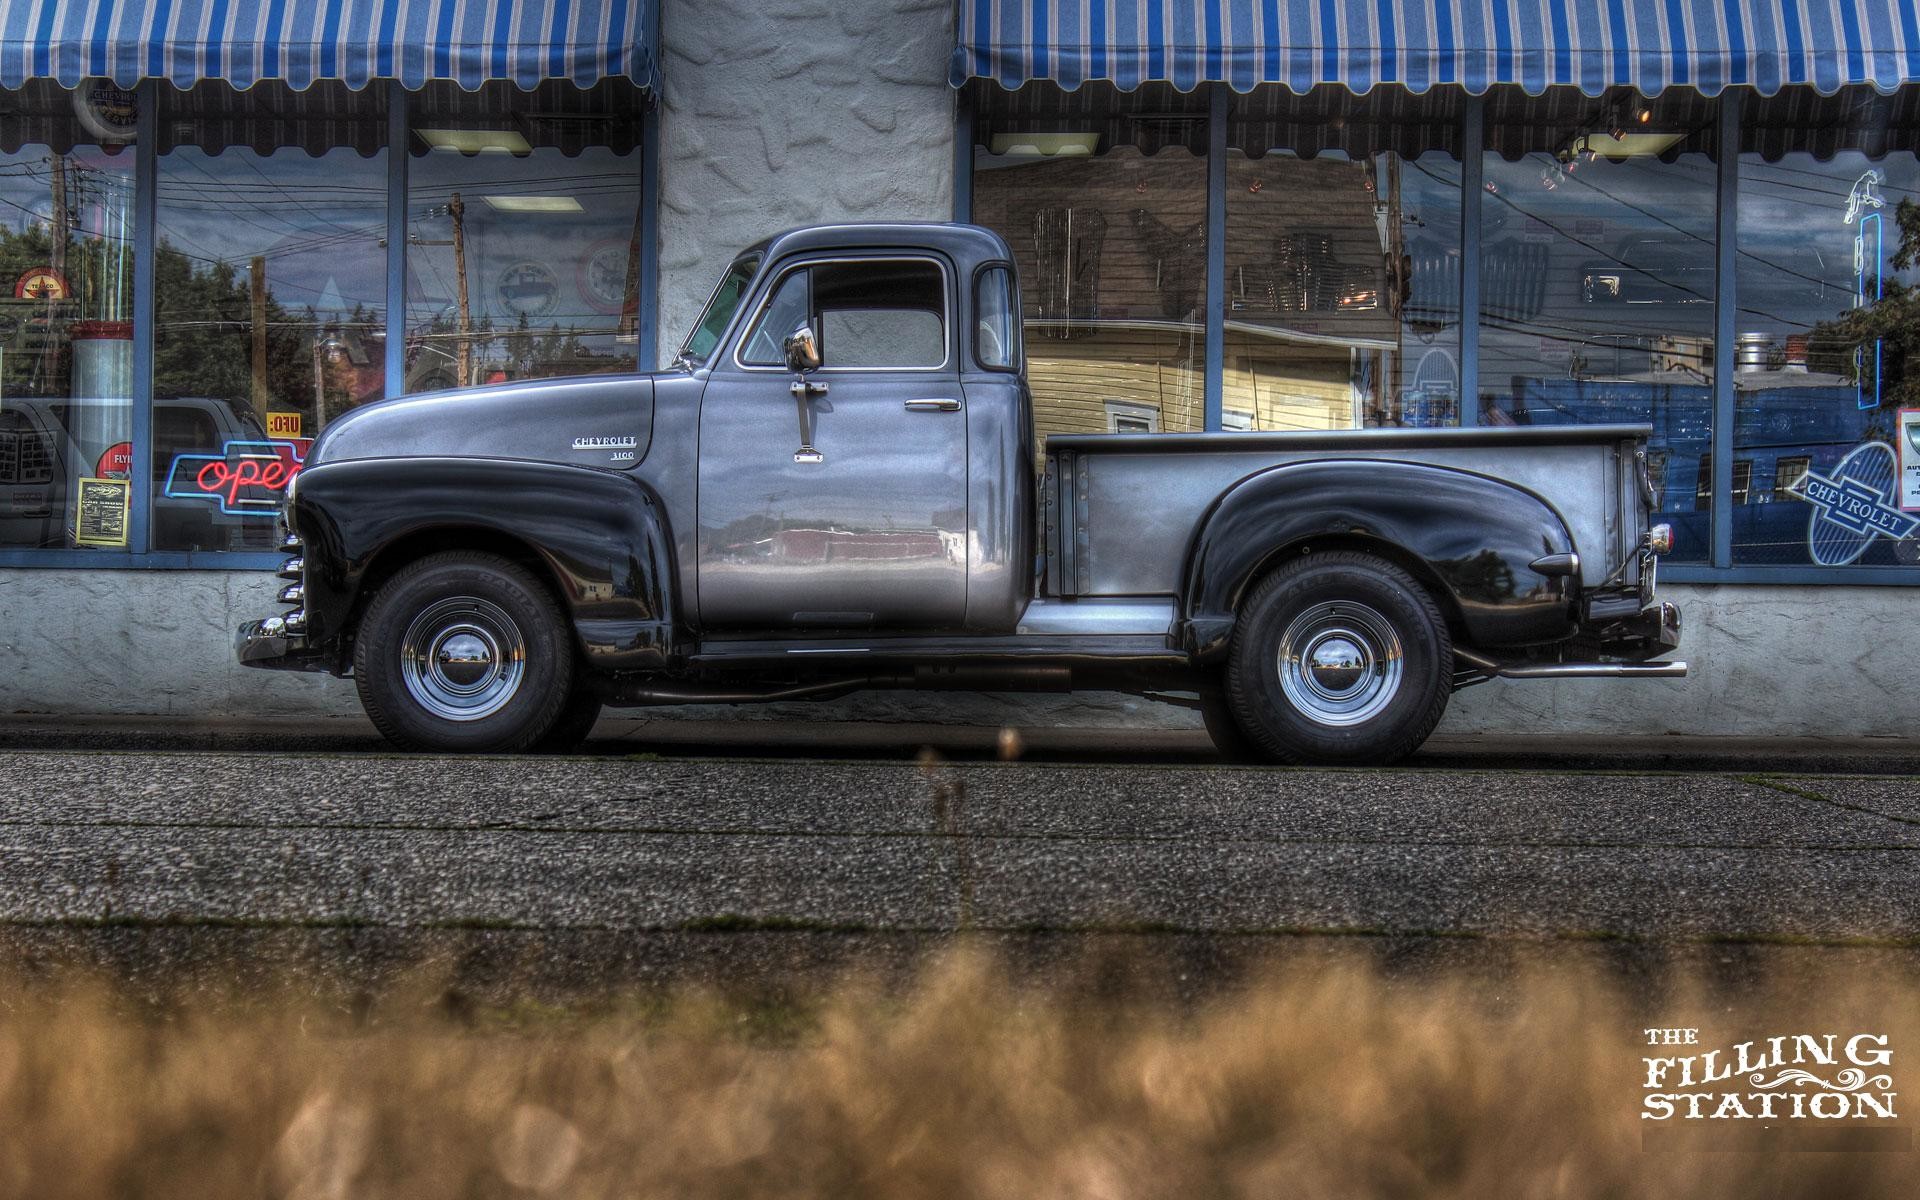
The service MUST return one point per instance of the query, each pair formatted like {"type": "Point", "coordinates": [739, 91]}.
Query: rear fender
{"type": "Point", "coordinates": [1473, 536]}
{"type": "Point", "coordinates": [601, 535]}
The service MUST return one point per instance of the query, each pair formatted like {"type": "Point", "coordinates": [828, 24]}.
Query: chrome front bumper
{"type": "Point", "coordinates": [268, 644]}
{"type": "Point", "coordinates": [279, 643]}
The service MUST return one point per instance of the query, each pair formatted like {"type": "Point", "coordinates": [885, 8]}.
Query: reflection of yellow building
{"type": "Point", "coordinates": [1132, 375]}
{"type": "Point", "coordinates": [1111, 250]}
{"type": "Point", "coordinates": [1107, 374]}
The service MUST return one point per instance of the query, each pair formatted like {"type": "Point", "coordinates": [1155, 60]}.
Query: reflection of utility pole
{"type": "Point", "coordinates": [258, 273]}
{"type": "Point", "coordinates": [319, 383]}
{"type": "Point", "coordinates": [457, 209]}
{"type": "Point", "coordinates": [58, 233]}
{"type": "Point", "coordinates": [630, 294]}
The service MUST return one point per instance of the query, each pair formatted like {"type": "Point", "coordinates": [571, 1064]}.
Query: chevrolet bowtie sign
{"type": "Point", "coordinates": [1853, 506]}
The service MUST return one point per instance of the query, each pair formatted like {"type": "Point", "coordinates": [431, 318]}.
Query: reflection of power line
{"type": "Point", "coordinates": [1563, 232]}
{"type": "Point", "coordinates": [1763, 165]}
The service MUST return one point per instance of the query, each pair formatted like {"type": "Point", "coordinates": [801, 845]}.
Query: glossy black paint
{"type": "Point", "coordinates": [1477, 537]}
{"type": "Point", "coordinates": [601, 535]}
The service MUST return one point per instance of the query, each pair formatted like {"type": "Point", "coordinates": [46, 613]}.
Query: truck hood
{"type": "Point", "coordinates": [589, 421]}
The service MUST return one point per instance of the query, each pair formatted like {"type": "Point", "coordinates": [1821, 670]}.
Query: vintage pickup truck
{"type": "Point", "coordinates": [835, 488]}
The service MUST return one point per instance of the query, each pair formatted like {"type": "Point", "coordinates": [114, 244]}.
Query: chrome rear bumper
{"type": "Point", "coordinates": [1655, 630]}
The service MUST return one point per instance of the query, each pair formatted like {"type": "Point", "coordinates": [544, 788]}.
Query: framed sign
{"type": "Point", "coordinates": [1909, 443]}
{"type": "Point", "coordinates": [100, 512]}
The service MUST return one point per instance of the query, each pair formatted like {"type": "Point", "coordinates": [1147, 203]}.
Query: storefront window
{"type": "Point", "coordinates": [1342, 260]}
{"type": "Point", "coordinates": [66, 313]}
{"type": "Point", "coordinates": [269, 297]}
{"type": "Point", "coordinates": [1827, 429]}
{"type": "Point", "coordinates": [523, 233]}
{"type": "Point", "coordinates": [1103, 197]}
{"type": "Point", "coordinates": [1597, 277]}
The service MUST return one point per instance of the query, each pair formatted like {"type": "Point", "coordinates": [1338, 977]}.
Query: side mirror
{"type": "Point", "coordinates": [803, 350]}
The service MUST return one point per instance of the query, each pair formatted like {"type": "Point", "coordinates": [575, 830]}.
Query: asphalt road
{"type": "Point", "coordinates": [821, 846]}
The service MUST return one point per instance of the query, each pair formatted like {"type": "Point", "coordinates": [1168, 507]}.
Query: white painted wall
{"type": "Point", "coordinates": [1831, 661]}
{"type": "Point", "coordinates": [787, 112]}
{"type": "Point", "coordinates": [779, 113]}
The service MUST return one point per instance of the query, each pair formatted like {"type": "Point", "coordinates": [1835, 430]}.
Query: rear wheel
{"type": "Point", "coordinates": [463, 652]}
{"type": "Point", "coordinates": [1339, 658]}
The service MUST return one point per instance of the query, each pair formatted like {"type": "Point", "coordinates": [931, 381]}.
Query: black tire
{"type": "Point", "coordinates": [576, 721]}
{"type": "Point", "coordinates": [1358, 616]}
{"type": "Point", "coordinates": [1216, 712]}
{"type": "Point", "coordinates": [458, 621]}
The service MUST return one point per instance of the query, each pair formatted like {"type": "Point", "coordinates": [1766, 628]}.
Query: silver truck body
{"type": "Point", "coordinates": [743, 527]}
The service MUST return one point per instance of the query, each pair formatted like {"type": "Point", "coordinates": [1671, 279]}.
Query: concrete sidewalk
{"type": "Point", "coordinates": [678, 737]}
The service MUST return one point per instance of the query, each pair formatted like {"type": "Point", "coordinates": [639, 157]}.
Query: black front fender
{"type": "Point", "coordinates": [602, 536]}
{"type": "Point", "coordinates": [1474, 536]}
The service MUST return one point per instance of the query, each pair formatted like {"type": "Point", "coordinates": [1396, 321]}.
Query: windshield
{"type": "Point", "coordinates": [726, 298]}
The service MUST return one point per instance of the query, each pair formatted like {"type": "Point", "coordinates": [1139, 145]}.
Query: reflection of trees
{"type": "Point", "coordinates": [1483, 576]}
{"type": "Point", "coordinates": [524, 351]}
{"type": "Point", "coordinates": [1893, 321]}
{"type": "Point", "coordinates": [205, 316]}
{"type": "Point", "coordinates": [37, 358]}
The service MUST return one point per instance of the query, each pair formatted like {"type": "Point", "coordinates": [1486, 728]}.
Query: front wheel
{"type": "Point", "coordinates": [463, 652]}
{"type": "Point", "coordinates": [1339, 657]}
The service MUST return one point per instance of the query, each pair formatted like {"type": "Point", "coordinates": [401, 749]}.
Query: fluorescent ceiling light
{"type": "Point", "coordinates": [1631, 145]}
{"type": "Point", "coordinates": [476, 141]}
{"type": "Point", "coordinates": [534, 204]}
{"type": "Point", "coordinates": [1056, 145]}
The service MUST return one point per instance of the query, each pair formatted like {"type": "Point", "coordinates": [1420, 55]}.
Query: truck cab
{"type": "Point", "coordinates": [836, 487]}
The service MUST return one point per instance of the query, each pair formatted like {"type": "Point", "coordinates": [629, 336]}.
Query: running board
{"type": "Point", "coordinates": [1574, 670]}
{"type": "Point", "coordinates": [1065, 650]}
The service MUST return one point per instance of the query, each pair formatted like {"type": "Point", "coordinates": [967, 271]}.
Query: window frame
{"type": "Point", "coordinates": [1017, 360]}
{"type": "Point", "coordinates": [139, 553]}
{"type": "Point", "coordinates": [971, 131]}
{"type": "Point", "coordinates": [777, 277]}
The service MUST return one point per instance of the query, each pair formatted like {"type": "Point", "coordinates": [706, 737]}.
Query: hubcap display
{"type": "Point", "coordinates": [1340, 663]}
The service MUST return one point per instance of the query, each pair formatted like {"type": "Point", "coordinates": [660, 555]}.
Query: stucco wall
{"type": "Point", "coordinates": [779, 113]}
{"type": "Point", "coordinates": [1767, 660]}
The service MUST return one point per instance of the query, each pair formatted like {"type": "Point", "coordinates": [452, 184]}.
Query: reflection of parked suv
{"type": "Point", "coordinates": [40, 457]}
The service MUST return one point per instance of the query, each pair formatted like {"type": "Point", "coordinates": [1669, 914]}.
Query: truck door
{"type": "Point", "coordinates": [856, 515]}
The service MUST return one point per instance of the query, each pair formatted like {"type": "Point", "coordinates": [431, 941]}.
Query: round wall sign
{"type": "Point", "coordinates": [40, 283]}
{"type": "Point", "coordinates": [106, 110]}
{"type": "Point", "coordinates": [116, 463]}
{"type": "Point", "coordinates": [603, 275]}
{"type": "Point", "coordinates": [528, 289]}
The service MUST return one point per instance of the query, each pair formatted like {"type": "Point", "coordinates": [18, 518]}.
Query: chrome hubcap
{"type": "Point", "coordinates": [1340, 663]}
{"type": "Point", "coordinates": [463, 658]}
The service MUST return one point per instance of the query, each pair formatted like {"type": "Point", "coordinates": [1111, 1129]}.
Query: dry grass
{"type": "Point", "coordinates": [1333, 1081]}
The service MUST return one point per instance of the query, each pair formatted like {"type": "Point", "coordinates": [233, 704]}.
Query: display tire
{"type": "Point", "coordinates": [464, 652]}
{"type": "Point", "coordinates": [577, 719]}
{"type": "Point", "coordinates": [1339, 657]}
{"type": "Point", "coordinates": [1216, 713]}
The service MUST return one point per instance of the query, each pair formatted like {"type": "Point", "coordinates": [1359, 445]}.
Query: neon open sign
{"type": "Point", "coordinates": [1864, 203]}
{"type": "Point", "coordinates": [246, 479]}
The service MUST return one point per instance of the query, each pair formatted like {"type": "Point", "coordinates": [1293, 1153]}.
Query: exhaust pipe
{"type": "Point", "coordinates": [1574, 670]}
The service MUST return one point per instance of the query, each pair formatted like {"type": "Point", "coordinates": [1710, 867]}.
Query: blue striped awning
{"type": "Point", "coordinates": [301, 41]}
{"type": "Point", "coordinates": [1651, 45]}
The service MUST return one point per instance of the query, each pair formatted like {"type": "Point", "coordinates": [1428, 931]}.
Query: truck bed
{"type": "Point", "coordinates": [1120, 510]}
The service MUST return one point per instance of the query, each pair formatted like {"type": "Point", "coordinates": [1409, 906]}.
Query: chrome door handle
{"type": "Point", "coordinates": [940, 405]}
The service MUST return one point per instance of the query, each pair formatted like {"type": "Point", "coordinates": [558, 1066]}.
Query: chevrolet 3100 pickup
{"type": "Point", "coordinates": [835, 488]}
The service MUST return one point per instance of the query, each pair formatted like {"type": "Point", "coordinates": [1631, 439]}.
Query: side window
{"type": "Point", "coordinates": [786, 312]}
{"type": "Point", "coordinates": [869, 313]}
{"type": "Point", "coordinates": [881, 313]}
{"type": "Point", "coordinates": [996, 339]}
